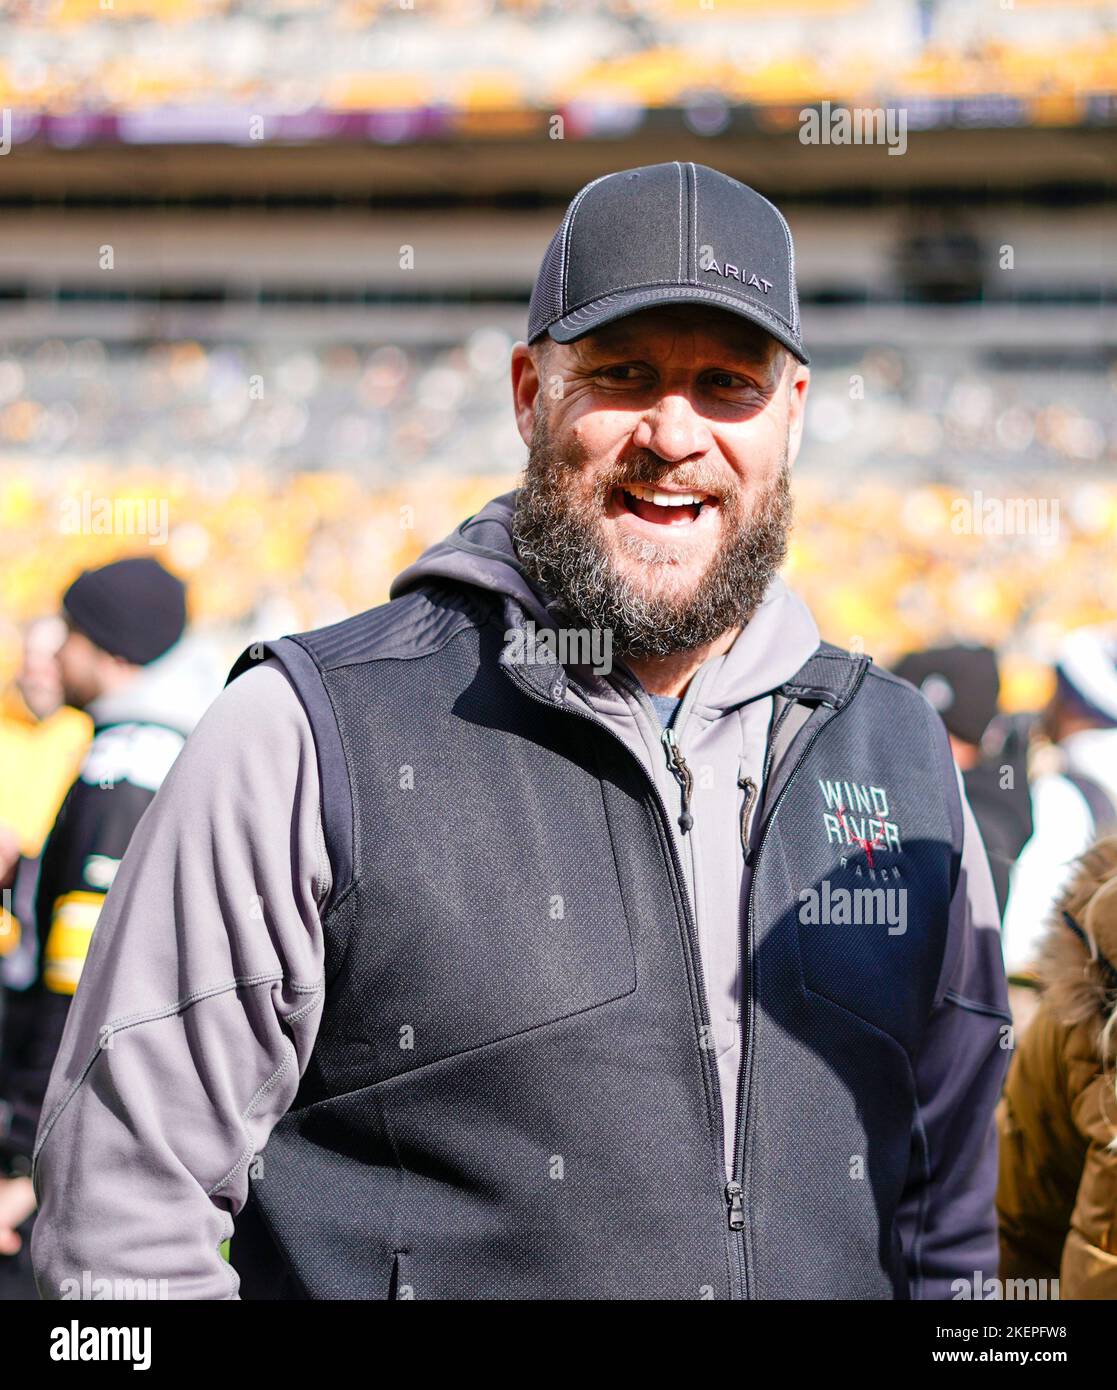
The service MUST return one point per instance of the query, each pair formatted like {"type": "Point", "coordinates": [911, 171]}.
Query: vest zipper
{"type": "Point", "coordinates": [744, 1073]}
{"type": "Point", "coordinates": [748, 806]}
{"type": "Point", "coordinates": [734, 1260]}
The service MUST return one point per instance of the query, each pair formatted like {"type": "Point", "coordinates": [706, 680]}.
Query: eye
{"type": "Point", "coordinates": [728, 381]}
{"type": "Point", "coordinates": [611, 372]}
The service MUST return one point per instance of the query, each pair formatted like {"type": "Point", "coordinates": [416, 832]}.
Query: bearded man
{"type": "Point", "coordinates": [442, 968]}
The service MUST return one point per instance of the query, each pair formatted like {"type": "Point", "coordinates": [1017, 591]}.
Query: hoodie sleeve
{"type": "Point", "coordinates": [947, 1217]}
{"type": "Point", "coordinates": [196, 1012]}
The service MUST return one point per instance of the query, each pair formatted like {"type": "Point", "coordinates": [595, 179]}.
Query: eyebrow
{"type": "Point", "coordinates": [745, 357]}
{"type": "Point", "coordinates": [631, 345]}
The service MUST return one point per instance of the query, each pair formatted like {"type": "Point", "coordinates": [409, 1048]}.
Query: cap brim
{"type": "Point", "coordinates": [610, 307]}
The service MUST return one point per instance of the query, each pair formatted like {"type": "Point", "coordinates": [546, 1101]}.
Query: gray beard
{"type": "Point", "coordinates": [559, 540]}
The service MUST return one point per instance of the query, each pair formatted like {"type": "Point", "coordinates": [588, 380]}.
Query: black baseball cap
{"type": "Point", "coordinates": [667, 234]}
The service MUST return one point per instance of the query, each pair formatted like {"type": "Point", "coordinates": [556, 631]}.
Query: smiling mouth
{"type": "Point", "coordinates": [660, 507]}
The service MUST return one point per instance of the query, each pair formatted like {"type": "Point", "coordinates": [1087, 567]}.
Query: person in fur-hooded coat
{"type": "Point", "coordinates": [1057, 1120]}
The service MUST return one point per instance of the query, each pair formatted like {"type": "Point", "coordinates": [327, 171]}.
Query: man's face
{"type": "Point", "coordinates": [80, 665]}
{"type": "Point", "coordinates": [39, 679]}
{"type": "Point", "coordinates": [661, 407]}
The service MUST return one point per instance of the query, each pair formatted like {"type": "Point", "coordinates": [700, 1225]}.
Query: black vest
{"type": "Point", "coordinates": [509, 1095]}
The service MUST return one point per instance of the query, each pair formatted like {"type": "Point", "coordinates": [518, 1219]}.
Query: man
{"type": "Point", "coordinates": [120, 619]}
{"type": "Point", "coordinates": [964, 685]}
{"type": "Point", "coordinates": [42, 743]}
{"type": "Point", "coordinates": [465, 977]}
{"type": "Point", "coordinates": [1074, 797]}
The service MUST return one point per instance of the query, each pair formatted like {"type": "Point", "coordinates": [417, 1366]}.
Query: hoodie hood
{"type": "Point", "coordinates": [479, 551]}
{"type": "Point", "coordinates": [1078, 988]}
{"type": "Point", "coordinates": [777, 640]}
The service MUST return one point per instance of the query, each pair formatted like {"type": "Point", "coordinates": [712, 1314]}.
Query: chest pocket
{"type": "Point", "coordinates": [869, 878]}
{"type": "Point", "coordinates": [478, 919]}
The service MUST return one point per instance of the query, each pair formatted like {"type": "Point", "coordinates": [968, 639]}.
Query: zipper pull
{"type": "Point", "coordinates": [736, 1206]}
{"type": "Point", "coordinates": [683, 776]}
{"type": "Point", "coordinates": [747, 807]}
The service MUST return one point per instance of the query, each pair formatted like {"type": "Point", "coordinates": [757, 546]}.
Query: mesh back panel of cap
{"type": "Point", "coordinates": [546, 297]}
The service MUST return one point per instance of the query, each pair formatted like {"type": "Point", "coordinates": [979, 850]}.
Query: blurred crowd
{"type": "Point", "coordinates": [383, 411]}
{"type": "Point", "coordinates": [886, 564]}
{"type": "Point", "coordinates": [81, 56]}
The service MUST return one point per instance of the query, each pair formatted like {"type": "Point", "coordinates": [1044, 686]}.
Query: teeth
{"type": "Point", "coordinates": [665, 499]}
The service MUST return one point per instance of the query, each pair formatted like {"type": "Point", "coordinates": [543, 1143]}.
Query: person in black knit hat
{"type": "Point", "coordinates": [963, 683]}
{"type": "Point", "coordinates": [121, 618]}
{"type": "Point", "coordinates": [130, 612]}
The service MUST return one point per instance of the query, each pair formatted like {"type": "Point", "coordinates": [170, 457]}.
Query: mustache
{"type": "Point", "coordinates": [650, 473]}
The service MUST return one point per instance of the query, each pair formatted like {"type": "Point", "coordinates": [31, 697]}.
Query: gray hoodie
{"type": "Point", "coordinates": [202, 992]}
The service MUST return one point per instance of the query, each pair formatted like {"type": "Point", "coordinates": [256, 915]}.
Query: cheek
{"type": "Point", "coordinates": [71, 669]}
{"type": "Point", "coordinates": [594, 439]}
{"type": "Point", "coordinates": [588, 462]}
{"type": "Point", "coordinates": [756, 456]}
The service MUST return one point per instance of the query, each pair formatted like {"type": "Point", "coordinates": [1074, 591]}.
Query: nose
{"type": "Point", "coordinates": [673, 429]}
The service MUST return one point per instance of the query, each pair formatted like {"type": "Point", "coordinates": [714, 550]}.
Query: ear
{"type": "Point", "coordinates": [526, 385]}
{"type": "Point", "coordinates": [796, 405]}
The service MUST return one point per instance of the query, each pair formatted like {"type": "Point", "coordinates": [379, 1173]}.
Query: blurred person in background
{"type": "Point", "coordinates": [1074, 797]}
{"type": "Point", "coordinates": [122, 623]}
{"type": "Point", "coordinates": [1057, 1120]}
{"type": "Point", "coordinates": [963, 683]}
{"type": "Point", "coordinates": [42, 742]}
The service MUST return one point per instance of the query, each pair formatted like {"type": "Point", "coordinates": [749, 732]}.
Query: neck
{"type": "Point", "coordinates": [670, 675]}
{"type": "Point", "coordinates": [113, 679]}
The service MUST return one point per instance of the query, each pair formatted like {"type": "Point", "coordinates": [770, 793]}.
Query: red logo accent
{"type": "Point", "coordinates": [866, 845]}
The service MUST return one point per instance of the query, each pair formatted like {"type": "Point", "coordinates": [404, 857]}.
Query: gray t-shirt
{"type": "Point", "coordinates": [666, 707]}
